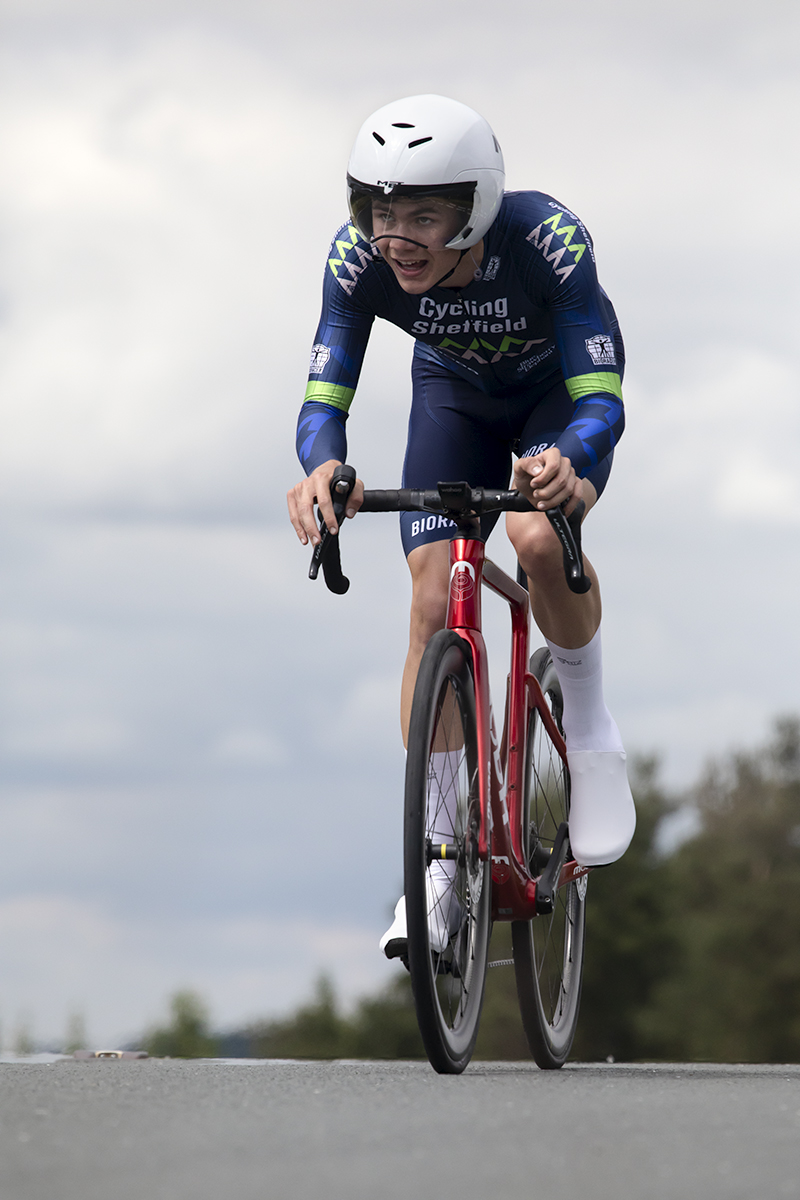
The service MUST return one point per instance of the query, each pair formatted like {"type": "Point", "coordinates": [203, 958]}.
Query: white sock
{"type": "Point", "coordinates": [444, 765]}
{"type": "Point", "coordinates": [588, 725]}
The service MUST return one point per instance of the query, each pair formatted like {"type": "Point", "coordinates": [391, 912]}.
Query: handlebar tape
{"type": "Point", "coordinates": [477, 500]}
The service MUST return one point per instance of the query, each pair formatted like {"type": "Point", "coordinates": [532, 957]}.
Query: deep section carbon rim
{"type": "Point", "coordinates": [548, 950]}
{"type": "Point", "coordinates": [448, 889]}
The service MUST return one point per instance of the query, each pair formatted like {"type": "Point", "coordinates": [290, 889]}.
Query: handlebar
{"type": "Point", "coordinates": [460, 502]}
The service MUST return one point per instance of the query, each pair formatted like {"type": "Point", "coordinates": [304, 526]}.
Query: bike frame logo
{"type": "Point", "coordinates": [462, 580]}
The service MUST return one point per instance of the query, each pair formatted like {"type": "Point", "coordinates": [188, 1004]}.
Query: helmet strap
{"type": "Point", "coordinates": [374, 241]}
{"type": "Point", "coordinates": [452, 270]}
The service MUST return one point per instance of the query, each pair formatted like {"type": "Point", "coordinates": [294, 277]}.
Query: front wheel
{"type": "Point", "coordinates": [548, 950]}
{"type": "Point", "coordinates": [447, 887]}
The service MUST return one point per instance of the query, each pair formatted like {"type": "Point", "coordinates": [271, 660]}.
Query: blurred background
{"type": "Point", "coordinates": [200, 762]}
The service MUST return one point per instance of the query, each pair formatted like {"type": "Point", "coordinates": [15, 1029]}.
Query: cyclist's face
{"type": "Point", "coordinates": [411, 234]}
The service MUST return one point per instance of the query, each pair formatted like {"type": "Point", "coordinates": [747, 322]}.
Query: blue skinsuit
{"type": "Point", "coordinates": [527, 356]}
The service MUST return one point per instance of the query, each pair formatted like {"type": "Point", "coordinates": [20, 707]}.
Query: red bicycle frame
{"type": "Point", "coordinates": [502, 765]}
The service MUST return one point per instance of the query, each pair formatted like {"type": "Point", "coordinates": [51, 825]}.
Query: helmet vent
{"type": "Point", "coordinates": [402, 125]}
{"type": "Point", "coordinates": [419, 142]}
{"type": "Point", "coordinates": [496, 144]}
{"type": "Point", "coordinates": [378, 138]}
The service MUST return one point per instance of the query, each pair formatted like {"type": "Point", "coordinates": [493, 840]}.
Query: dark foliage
{"type": "Point", "coordinates": [382, 1026]}
{"type": "Point", "coordinates": [734, 993]}
{"type": "Point", "coordinates": [691, 956]}
{"type": "Point", "coordinates": [188, 1035]}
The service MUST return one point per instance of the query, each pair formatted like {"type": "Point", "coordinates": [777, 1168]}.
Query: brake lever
{"type": "Point", "coordinates": [568, 531]}
{"type": "Point", "coordinates": [326, 552]}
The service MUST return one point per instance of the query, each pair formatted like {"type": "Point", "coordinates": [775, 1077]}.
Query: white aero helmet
{"type": "Point", "coordinates": [428, 146]}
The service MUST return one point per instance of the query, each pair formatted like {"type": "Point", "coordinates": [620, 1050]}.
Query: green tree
{"type": "Point", "coordinates": [632, 938]}
{"type": "Point", "coordinates": [690, 956]}
{"type": "Point", "coordinates": [501, 1035]}
{"type": "Point", "coordinates": [316, 1030]}
{"type": "Point", "coordinates": [76, 1033]}
{"type": "Point", "coordinates": [382, 1026]}
{"type": "Point", "coordinates": [630, 948]}
{"type": "Point", "coordinates": [188, 1035]}
{"type": "Point", "coordinates": [734, 994]}
{"type": "Point", "coordinates": [385, 1026]}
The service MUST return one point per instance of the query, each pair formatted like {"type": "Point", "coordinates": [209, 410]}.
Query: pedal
{"type": "Point", "coordinates": [547, 883]}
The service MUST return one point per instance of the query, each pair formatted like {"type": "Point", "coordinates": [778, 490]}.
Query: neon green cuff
{"type": "Point", "coordinates": [596, 381]}
{"type": "Point", "coordinates": [330, 393]}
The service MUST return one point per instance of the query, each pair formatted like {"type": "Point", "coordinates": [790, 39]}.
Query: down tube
{"type": "Point", "coordinates": [483, 716]}
{"type": "Point", "coordinates": [517, 714]}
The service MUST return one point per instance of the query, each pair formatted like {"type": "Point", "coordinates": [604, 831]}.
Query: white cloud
{"type": "Point", "coordinates": [174, 688]}
{"type": "Point", "coordinates": [75, 957]}
{"type": "Point", "coordinates": [249, 747]}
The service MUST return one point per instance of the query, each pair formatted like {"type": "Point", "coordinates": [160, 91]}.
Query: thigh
{"type": "Point", "coordinates": [544, 426]}
{"type": "Point", "coordinates": [453, 433]}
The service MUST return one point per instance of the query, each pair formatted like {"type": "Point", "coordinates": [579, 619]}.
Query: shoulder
{"type": "Point", "coordinates": [349, 257]}
{"type": "Point", "coordinates": [547, 232]}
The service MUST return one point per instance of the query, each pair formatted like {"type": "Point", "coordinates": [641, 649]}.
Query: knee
{"type": "Point", "coordinates": [428, 605]}
{"type": "Point", "coordinates": [537, 547]}
{"type": "Point", "coordinates": [428, 611]}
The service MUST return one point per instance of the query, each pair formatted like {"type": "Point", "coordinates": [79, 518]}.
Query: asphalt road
{"type": "Point", "coordinates": [171, 1130]}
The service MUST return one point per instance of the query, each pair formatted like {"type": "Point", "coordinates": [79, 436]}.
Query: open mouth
{"type": "Point", "coordinates": [411, 267]}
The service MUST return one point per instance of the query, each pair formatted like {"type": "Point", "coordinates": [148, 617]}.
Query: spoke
{"type": "Point", "coordinates": [448, 792]}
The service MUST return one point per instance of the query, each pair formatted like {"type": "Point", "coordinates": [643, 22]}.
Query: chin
{"type": "Point", "coordinates": [414, 287]}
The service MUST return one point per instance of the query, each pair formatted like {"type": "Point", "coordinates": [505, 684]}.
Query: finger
{"type": "Point", "coordinates": [301, 513]}
{"type": "Point", "coordinates": [561, 485]}
{"type": "Point", "coordinates": [553, 502]}
{"type": "Point", "coordinates": [537, 468]}
{"type": "Point", "coordinates": [575, 498]}
{"type": "Point", "coordinates": [524, 481]}
{"type": "Point", "coordinates": [307, 517]}
{"type": "Point", "coordinates": [294, 517]}
{"type": "Point", "coordinates": [564, 479]}
{"type": "Point", "coordinates": [320, 481]}
{"type": "Point", "coordinates": [355, 499]}
{"type": "Point", "coordinates": [555, 493]}
{"type": "Point", "coordinates": [325, 505]}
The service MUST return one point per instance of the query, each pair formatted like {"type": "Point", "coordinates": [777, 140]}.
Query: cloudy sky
{"type": "Point", "coordinates": [201, 773]}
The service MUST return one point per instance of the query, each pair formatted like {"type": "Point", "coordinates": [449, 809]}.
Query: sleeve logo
{"type": "Point", "coordinates": [600, 349]}
{"type": "Point", "coordinates": [319, 356]}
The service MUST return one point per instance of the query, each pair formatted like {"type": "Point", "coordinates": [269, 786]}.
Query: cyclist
{"type": "Point", "coordinates": [517, 351]}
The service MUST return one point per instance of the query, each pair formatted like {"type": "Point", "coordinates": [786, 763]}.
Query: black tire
{"type": "Point", "coordinates": [448, 905]}
{"type": "Point", "coordinates": [548, 950]}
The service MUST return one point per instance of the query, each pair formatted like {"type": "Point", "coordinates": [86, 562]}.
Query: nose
{"type": "Point", "coordinates": [398, 243]}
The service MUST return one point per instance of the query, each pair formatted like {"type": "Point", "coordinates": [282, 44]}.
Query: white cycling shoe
{"type": "Point", "coordinates": [394, 942]}
{"type": "Point", "coordinates": [602, 816]}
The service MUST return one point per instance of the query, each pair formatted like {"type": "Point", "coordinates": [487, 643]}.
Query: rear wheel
{"type": "Point", "coordinates": [448, 899]}
{"type": "Point", "coordinates": [548, 950]}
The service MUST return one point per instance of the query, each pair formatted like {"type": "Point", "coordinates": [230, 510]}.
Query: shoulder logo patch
{"type": "Point", "coordinates": [491, 270]}
{"type": "Point", "coordinates": [600, 349]}
{"type": "Point", "coordinates": [319, 356]}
